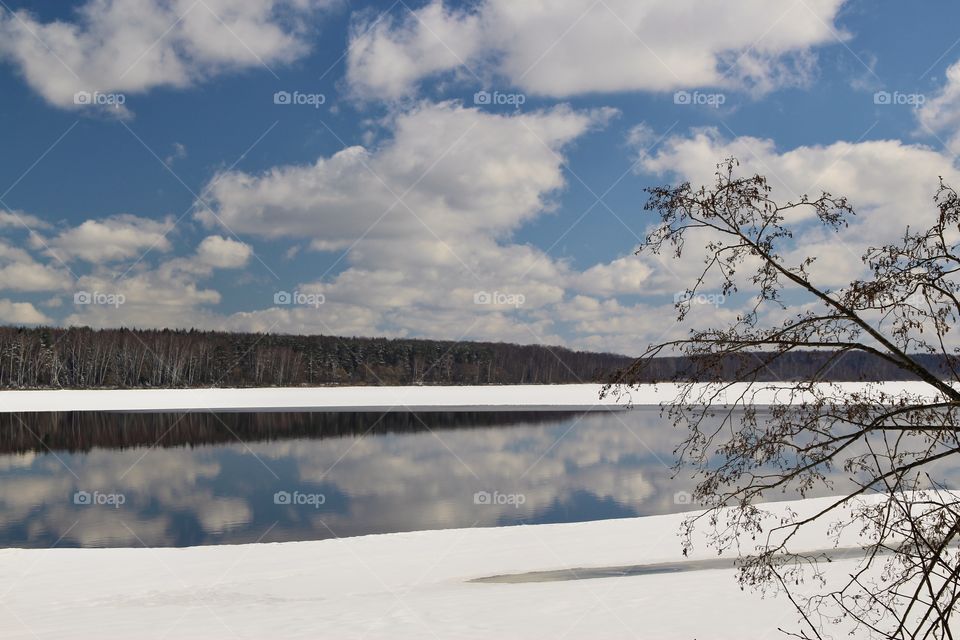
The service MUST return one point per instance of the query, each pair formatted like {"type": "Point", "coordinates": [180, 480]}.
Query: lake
{"type": "Point", "coordinates": [105, 479]}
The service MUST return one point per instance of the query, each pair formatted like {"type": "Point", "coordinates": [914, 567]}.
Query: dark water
{"type": "Point", "coordinates": [107, 479]}
{"type": "Point", "coordinates": [592, 573]}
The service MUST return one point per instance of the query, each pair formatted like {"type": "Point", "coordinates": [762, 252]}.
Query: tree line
{"type": "Point", "coordinates": [84, 358]}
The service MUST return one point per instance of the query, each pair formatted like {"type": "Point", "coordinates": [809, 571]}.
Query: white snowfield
{"type": "Point", "coordinates": [561, 397]}
{"type": "Point", "coordinates": [404, 585]}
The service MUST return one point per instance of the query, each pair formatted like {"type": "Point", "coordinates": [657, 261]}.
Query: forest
{"type": "Point", "coordinates": [84, 358]}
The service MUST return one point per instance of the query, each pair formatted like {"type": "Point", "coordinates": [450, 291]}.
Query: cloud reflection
{"type": "Point", "coordinates": [566, 468]}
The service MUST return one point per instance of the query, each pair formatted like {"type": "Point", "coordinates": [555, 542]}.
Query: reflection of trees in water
{"type": "Point", "coordinates": [82, 431]}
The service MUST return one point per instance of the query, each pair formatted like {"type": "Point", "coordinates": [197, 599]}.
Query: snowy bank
{"type": "Point", "coordinates": [404, 585]}
{"type": "Point", "coordinates": [565, 397]}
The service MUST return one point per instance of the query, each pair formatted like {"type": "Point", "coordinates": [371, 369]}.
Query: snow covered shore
{"type": "Point", "coordinates": [404, 585]}
{"type": "Point", "coordinates": [566, 397]}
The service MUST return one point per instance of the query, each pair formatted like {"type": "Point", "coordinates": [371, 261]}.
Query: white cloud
{"type": "Point", "coordinates": [21, 313]}
{"type": "Point", "coordinates": [416, 270]}
{"type": "Point", "coordinates": [19, 271]}
{"type": "Point", "coordinates": [467, 172]}
{"type": "Point", "coordinates": [223, 253]}
{"type": "Point", "coordinates": [14, 219]}
{"type": "Point", "coordinates": [120, 237]}
{"type": "Point", "coordinates": [467, 179]}
{"type": "Point", "coordinates": [178, 153]}
{"type": "Point", "coordinates": [168, 295]}
{"type": "Point", "coordinates": [626, 275]}
{"type": "Point", "coordinates": [941, 112]}
{"type": "Point", "coordinates": [392, 57]}
{"type": "Point", "coordinates": [889, 184]}
{"type": "Point", "coordinates": [598, 324]}
{"type": "Point", "coordinates": [565, 48]}
{"type": "Point", "coordinates": [132, 46]}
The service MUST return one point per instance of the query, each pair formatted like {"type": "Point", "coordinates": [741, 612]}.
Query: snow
{"type": "Point", "coordinates": [565, 397]}
{"type": "Point", "coordinates": [402, 585]}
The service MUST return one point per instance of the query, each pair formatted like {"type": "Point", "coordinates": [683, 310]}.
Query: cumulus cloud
{"type": "Point", "coordinates": [426, 217]}
{"type": "Point", "coordinates": [456, 170]}
{"type": "Point", "coordinates": [146, 288]}
{"type": "Point", "coordinates": [415, 265]}
{"type": "Point", "coordinates": [110, 239]}
{"type": "Point", "coordinates": [890, 184]}
{"type": "Point", "coordinates": [420, 232]}
{"type": "Point", "coordinates": [20, 271]}
{"type": "Point", "coordinates": [626, 275]}
{"type": "Point", "coordinates": [132, 46]}
{"type": "Point", "coordinates": [14, 219]}
{"type": "Point", "coordinates": [168, 295]}
{"type": "Point", "coordinates": [940, 113]}
{"type": "Point", "coordinates": [21, 313]}
{"type": "Point", "coordinates": [607, 324]}
{"type": "Point", "coordinates": [565, 48]}
{"type": "Point", "coordinates": [223, 253]}
{"type": "Point", "coordinates": [389, 57]}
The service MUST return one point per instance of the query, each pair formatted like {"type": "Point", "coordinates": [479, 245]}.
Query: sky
{"type": "Point", "coordinates": [445, 170]}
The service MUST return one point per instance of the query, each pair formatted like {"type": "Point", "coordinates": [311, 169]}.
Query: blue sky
{"type": "Point", "coordinates": [393, 206]}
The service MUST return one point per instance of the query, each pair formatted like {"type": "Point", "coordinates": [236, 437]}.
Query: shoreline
{"type": "Point", "coordinates": [560, 397]}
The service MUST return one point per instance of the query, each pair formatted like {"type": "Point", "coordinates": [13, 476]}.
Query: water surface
{"type": "Point", "coordinates": [112, 479]}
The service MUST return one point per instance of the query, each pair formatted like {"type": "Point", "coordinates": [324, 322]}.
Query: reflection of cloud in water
{"type": "Point", "coordinates": [381, 483]}
{"type": "Point", "coordinates": [427, 479]}
{"type": "Point", "coordinates": [570, 468]}
{"type": "Point", "coordinates": [17, 461]}
{"type": "Point", "coordinates": [40, 498]}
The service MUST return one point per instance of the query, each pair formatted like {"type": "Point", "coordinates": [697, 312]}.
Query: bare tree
{"type": "Point", "coordinates": [876, 441]}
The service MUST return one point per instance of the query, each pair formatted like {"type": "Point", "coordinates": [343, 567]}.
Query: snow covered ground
{"type": "Point", "coordinates": [404, 585]}
{"type": "Point", "coordinates": [565, 397]}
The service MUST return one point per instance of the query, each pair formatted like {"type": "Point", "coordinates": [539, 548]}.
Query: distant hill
{"type": "Point", "coordinates": [83, 358]}
{"type": "Point", "coordinates": [854, 366]}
